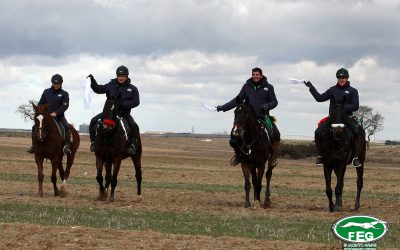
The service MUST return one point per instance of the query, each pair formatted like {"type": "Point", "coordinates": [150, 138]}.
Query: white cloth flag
{"type": "Point", "coordinates": [86, 93]}
{"type": "Point", "coordinates": [297, 81]}
{"type": "Point", "coordinates": [211, 108]}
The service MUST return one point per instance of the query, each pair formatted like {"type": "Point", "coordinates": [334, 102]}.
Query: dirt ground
{"type": "Point", "coordinates": [184, 161]}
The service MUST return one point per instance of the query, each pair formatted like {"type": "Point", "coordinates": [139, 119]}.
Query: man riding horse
{"type": "Point", "coordinates": [261, 96]}
{"type": "Point", "coordinates": [340, 93]}
{"type": "Point", "coordinates": [128, 96]}
{"type": "Point", "coordinates": [58, 100]}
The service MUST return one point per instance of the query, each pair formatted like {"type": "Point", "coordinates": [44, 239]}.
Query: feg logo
{"type": "Point", "coordinates": [359, 229]}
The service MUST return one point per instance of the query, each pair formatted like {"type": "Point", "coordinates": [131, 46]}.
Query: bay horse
{"type": "Point", "coordinates": [254, 151]}
{"type": "Point", "coordinates": [337, 152]}
{"type": "Point", "coordinates": [110, 149]}
{"type": "Point", "coordinates": [49, 144]}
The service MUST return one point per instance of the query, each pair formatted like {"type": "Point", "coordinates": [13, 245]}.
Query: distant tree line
{"type": "Point", "coordinates": [389, 142]}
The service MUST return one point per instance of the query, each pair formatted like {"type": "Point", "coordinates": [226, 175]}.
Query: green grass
{"type": "Point", "coordinates": [212, 188]}
{"type": "Point", "coordinates": [266, 228]}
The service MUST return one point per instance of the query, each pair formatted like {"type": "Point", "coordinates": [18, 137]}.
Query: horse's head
{"type": "Point", "coordinates": [243, 115]}
{"type": "Point", "coordinates": [42, 120]}
{"type": "Point", "coordinates": [110, 112]}
{"type": "Point", "coordinates": [337, 117]}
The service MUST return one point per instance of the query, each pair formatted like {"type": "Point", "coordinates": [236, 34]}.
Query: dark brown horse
{"type": "Point", "coordinates": [111, 144]}
{"type": "Point", "coordinates": [49, 144]}
{"type": "Point", "coordinates": [254, 151]}
{"type": "Point", "coordinates": [337, 153]}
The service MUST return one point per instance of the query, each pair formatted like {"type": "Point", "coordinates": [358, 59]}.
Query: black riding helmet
{"type": "Point", "coordinates": [342, 72]}
{"type": "Point", "coordinates": [122, 70]}
{"type": "Point", "coordinates": [56, 79]}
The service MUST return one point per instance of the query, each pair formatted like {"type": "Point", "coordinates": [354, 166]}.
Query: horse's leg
{"type": "Point", "coordinates": [99, 177]}
{"type": "Point", "coordinates": [246, 175]}
{"type": "Point", "coordinates": [39, 163]}
{"type": "Point", "coordinates": [55, 164]}
{"type": "Point", "coordinates": [360, 173]}
{"type": "Point", "coordinates": [63, 191]}
{"type": "Point", "coordinates": [114, 178]}
{"type": "Point", "coordinates": [108, 166]}
{"type": "Point", "coordinates": [339, 187]}
{"type": "Point", "coordinates": [328, 188]}
{"type": "Point", "coordinates": [137, 162]}
{"type": "Point", "coordinates": [70, 161]}
{"type": "Point", "coordinates": [254, 181]}
{"type": "Point", "coordinates": [268, 175]}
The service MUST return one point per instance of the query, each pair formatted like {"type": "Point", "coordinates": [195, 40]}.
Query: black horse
{"type": "Point", "coordinates": [254, 150]}
{"type": "Point", "coordinates": [337, 152]}
{"type": "Point", "coordinates": [111, 143]}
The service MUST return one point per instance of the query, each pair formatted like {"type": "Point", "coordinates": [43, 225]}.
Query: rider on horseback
{"type": "Point", "coordinates": [341, 93]}
{"type": "Point", "coordinates": [127, 94]}
{"type": "Point", "coordinates": [262, 98]}
{"type": "Point", "coordinates": [58, 100]}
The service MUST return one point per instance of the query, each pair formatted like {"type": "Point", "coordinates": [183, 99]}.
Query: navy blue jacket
{"type": "Point", "coordinates": [58, 100]}
{"type": "Point", "coordinates": [257, 95]}
{"type": "Point", "coordinates": [126, 93]}
{"type": "Point", "coordinates": [346, 95]}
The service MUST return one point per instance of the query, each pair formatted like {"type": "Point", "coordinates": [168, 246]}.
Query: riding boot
{"type": "Point", "coordinates": [131, 149]}
{"type": "Point", "coordinates": [356, 162]}
{"type": "Point", "coordinates": [92, 135]}
{"type": "Point", "coordinates": [272, 162]}
{"type": "Point", "coordinates": [31, 150]}
{"type": "Point", "coordinates": [235, 160]}
{"type": "Point", "coordinates": [318, 161]}
{"type": "Point", "coordinates": [68, 142]}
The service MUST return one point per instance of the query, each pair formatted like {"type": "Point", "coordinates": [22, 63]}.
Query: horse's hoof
{"type": "Point", "coordinates": [63, 192]}
{"type": "Point", "coordinates": [139, 198]}
{"type": "Point", "coordinates": [40, 194]}
{"type": "Point", "coordinates": [56, 193]}
{"type": "Point", "coordinates": [111, 199]}
{"type": "Point", "coordinates": [102, 196]}
{"type": "Point", "coordinates": [267, 203]}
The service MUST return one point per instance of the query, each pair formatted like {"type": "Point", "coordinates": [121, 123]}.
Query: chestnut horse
{"type": "Point", "coordinates": [337, 153]}
{"type": "Point", "coordinates": [255, 149]}
{"type": "Point", "coordinates": [49, 144]}
{"type": "Point", "coordinates": [110, 149]}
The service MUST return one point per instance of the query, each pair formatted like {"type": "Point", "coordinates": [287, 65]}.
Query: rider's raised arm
{"type": "Point", "coordinates": [99, 89]}
{"type": "Point", "coordinates": [234, 102]}
{"type": "Point", "coordinates": [320, 97]}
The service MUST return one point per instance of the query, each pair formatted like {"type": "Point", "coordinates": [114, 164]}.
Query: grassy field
{"type": "Point", "coordinates": [192, 199]}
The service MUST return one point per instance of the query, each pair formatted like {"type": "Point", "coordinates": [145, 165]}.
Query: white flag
{"type": "Point", "coordinates": [297, 81]}
{"type": "Point", "coordinates": [86, 93]}
{"type": "Point", "coordinates": [211, 108]}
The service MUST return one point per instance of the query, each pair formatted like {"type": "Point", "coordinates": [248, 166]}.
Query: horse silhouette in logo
{"type": "Point", "coordinates": [366, 225]}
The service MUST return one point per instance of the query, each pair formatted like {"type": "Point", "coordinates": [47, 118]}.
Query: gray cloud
{"type": "Point", "coordinates": [182, 53]}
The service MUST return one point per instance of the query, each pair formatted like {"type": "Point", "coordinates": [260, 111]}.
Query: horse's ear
{"type": "Point", "coordinates": [34, 106]}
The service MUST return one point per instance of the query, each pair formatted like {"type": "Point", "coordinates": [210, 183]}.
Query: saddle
{"type": "Point", "coordinates": [266, 125]}
{"type": "Point", "coordinates": [61, 130]}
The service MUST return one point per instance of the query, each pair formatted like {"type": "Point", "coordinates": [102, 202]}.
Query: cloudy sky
{"type": "Point", "coordinates": [181, 53]}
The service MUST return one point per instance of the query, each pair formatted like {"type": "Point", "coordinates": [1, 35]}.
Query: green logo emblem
{"type": "Point", "coordinates": [359, 229]}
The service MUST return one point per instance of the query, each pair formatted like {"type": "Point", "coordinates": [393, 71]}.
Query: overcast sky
{"type": "Point", "coordinates": [185, 52]}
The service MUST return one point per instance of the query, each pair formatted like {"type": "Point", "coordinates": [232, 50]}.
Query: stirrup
{"type": "Point", "coordinates": [31, 150]}
{"type": "Point", "coordinates": [131, 150]}
{"type": "Point", "coordinates": [234, 161]}
{"type": "Point", "coordinates": [92, 147]}
{"type": "Point", "coordinates": [67, 149]}
{"type": "Point", "coordinates": [318, 162]}
{"type": "Point", "coordinates": [273, 164]}
{"type": "Point", "coordinates": [356, 163]}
